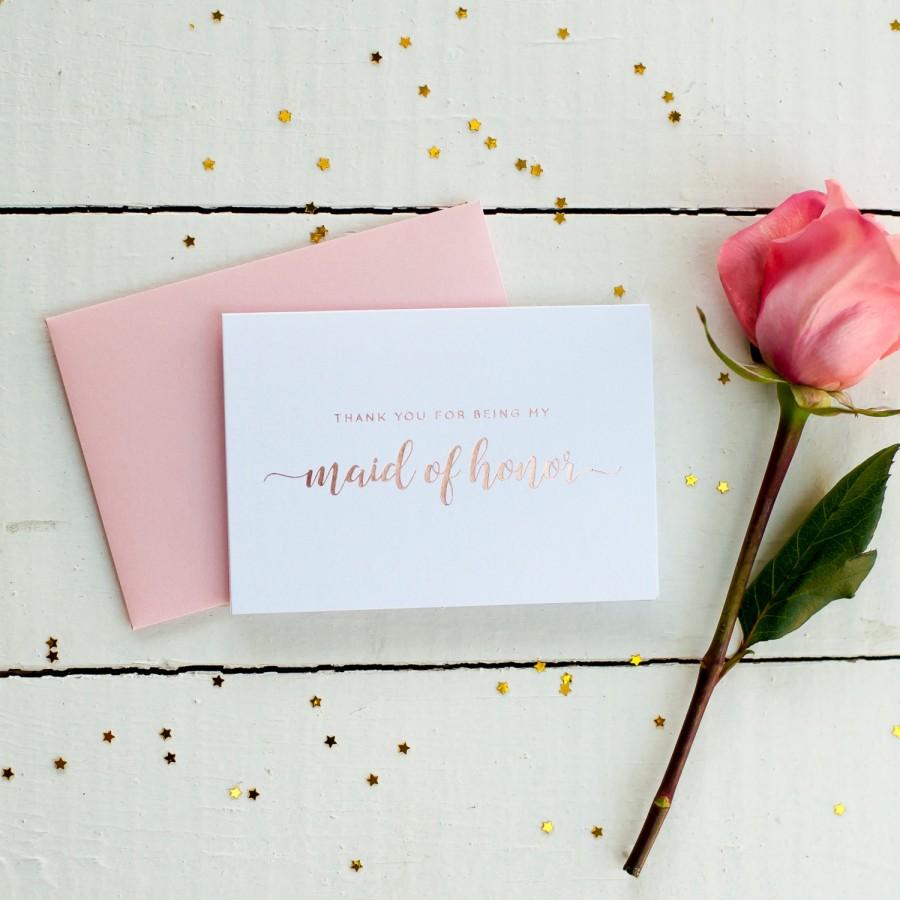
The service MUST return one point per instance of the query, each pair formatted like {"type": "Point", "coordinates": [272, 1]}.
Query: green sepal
{"type": "Point", "coordinates": [757, 372]}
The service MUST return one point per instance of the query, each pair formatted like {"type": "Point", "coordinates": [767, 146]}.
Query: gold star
{"type": "Point", "coordinates": [562, 33]}
{"type": "Point", "coordinates": [521, 164]}
{"type": "Point", "coordinates": [188, 240]}
{"type": "Point", "coordinates": [253, 793]}
{"type": "Point", "coordinates": [317, 236]}
{"type": "Point", "coordinates": [51, 643]}
{"type": "Point", "coordinates": [895, 731]}
{"type": "Point", "coordinates": [895, 25]}
{"type": "Point", "coordinates": [108, 737]}
{"type": "Point", "coordinates": [724, 378]}
{"type": "Point", "coordinates": [540, 665]}
{"type": "Point", "coordinates": [502, 687]}
{"type": "Point", "coordinates": [565, 689]}
{"type": "Point", "coordinates": [234, 792]}
{"type": "Point", "coordinates": [559, 218]}
{"type": "Point", "coordinates": [690, 479]}
{"type": "Point", "coordinates": [323, 163]}
{"type": "Point", "coordinates": [8, 774]}
{"type": "Point", "coordinates": [636, 659]}
{"type": "Point", "coordinates": [424, 90]}
{"type": "Point", "coordinates": [315, 701]}
{"type": "Point", "coordinates": [659, 722]}
{"type": "Point", "coordinates": [169, 758]}
{"type": "Point", "coordinates": [536, 170]}
{"type": "Point", "coordinates": [474, 125]}
{"type": "Point", "coordinates": [356, 864]}
{"type": "Point", "coordinates": [462, 13]}
{"type": "Point", "coordinates": [405, 42]}
{"type": "Point", "coordinates": [566, 678]}
{"type": "Point", "coordinates": [285, 115]}
{"type": "Point", "coordinates": [53, 656]}
{"type": "Point", "coordinates": [403, 748]}
{"type": "Point", "coordinates": [667, 97]}
{"type": "Point", "coordinates": [723, 487]}
{"type": "Point", "coordinates": [372, 779]}
{"type": "Point", "coordinates": [674, 117]}
{"type": "Point", "coordinates": [639, 68]}
{"type": "Point", "coordinates": [330, 740]}
{"type": "Point", "coordinates": [217, 16]}
{"type": "Point", "coordinates": [434, 152]}
{"type": "Point", "coordinates": [560, 203]}
{"type": "Point", "coordinates": [375, 57]}
{"type": "Point", "coordinates": [619, 291]}
{"type": "Point", "coordinates": [165, 733]}
{"type": "Point", "coordinates": [597, 831]}
{"type": "Point", "coordinates": [218, 681]}
{"type": "Point", "coordinates": [839, 809]}
{"type": "Point", "coordinates": [60, 763]}
{"type": "Point", "coordinates": [209, 164]}
{"type": "Point", "coordinates": [547, 827]}
{"type": "Point", "coordinates": [310, 209]}
{"type": "Point", "coordinates": [490, 143]}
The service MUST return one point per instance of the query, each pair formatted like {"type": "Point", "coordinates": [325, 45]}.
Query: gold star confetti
{"type": "Point", "coordinates": [724, 378]}
{"type": "Point", "coordinates": [218, 681]}
{"type": "Point", "coordinates": [502, 687]}
{"type": "Point", "coordinates": [839, 809]}
{"type": "Point", "coordinates": [490, 143]}
{"type": "Point", "coordinates": [372, 779]}
{"type": "Point", "coordinates": [375, 57]}
{"type": "Point", "coordinates": [597, 831]}
{"type": "Point", "coordinates": [560, 203]}
{"type": "Point", "coordinates": [234, 792]}
{"type": "Point", "coordinates": [434, 152]}
{"type": "Point", "coordinates": [188, 240]}
{"type": "Point", "coordinates": [565, 689]}
{"type": "Point", "coordinates": [253, 793]}
{"type": "Point", "coordinates": [318, 235]}
{"type": "Point", "coordinates": [540, 665]}
{"type": "Point", "coordinates": [356, 864]}
{"type": "Point", "coordinates": [895, 25]}
{"type": "Point", "coordinates": [521, 164]}
{"type": "Point", "coordinates": [405, 42]}
{"type": "Point", "coordinates": [285, 115]}
{"type": "Point", "coordinates": [424, 90]}
{"type": "Point", "coordinates": [895, 731]}
{"type": "Point", "coordinates": [619, 291]}
{"type": "Point", "coordinates": [53, 656]}
{"type": "Point", "coordinates": [165, 733]}
{"type": "Point", "coordinates": [209, 164]}
{"type": "Point", "coordinates": [639, 68]}
{"type": "Point", "coordinates": [8, 774]}
{"type": "Point", "coordinates": [217, 15]}
{"type": "Point", "coordinates": [565, 684]}
{"type": "Point", "coordinates": [562, 33]}
{"type": "Point", "coordinates": [674, 117]}
{"type": "Point", "coordinates": [315, 701]}
{"type": "Point", "coordinates": [169, 758]}
{"type": "Point", "coordinates": [403, 748]}
{"type": "Point", "coordinates": [462, 13]}
{"type": "Point", "coordinates": [474, 125]}
{"type": "Point", "coordinates": [324, 163]}
{"type": "Point", "coordinates": [52, 643]}
{"type": "Point", "coordinates": [636, 659]}
{"type": "Point", "coordinates": [310, 209]}
{"type": "Point", "coordinates": [667, 97]}
{"type": "Point", "coordinates": [60, 763]}
{"type": "Point", "coordinates": [536, 170]}
{"type": "Point", "coordinates": [723, 487]}
{"type": "Point", "coordinates": [559, 218]}
{"type": "Point", "coordinates": [547, 827]}
{"type": "Point", "coordinates": [690, 479]}
{"type": "Point", "coordinates": [108, 737]}
{"type": "Point", "coordinates": [330, 740]}
{"type": "Point", "coordinates": [660, 722]}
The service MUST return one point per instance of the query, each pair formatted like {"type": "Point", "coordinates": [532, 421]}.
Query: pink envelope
{"type": "Point", "coordinates": [143, 376]}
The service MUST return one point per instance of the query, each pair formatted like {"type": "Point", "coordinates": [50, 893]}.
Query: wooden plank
{"type": "Point", "coordinates": [119, 101]}
{"type": "Point", "coordinates": [57, 576]}
{"type": "Point", "coordinates": [460, 814]}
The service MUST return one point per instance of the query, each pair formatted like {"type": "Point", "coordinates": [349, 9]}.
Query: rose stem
{"type": "Point", "coordinates": [713, 665]}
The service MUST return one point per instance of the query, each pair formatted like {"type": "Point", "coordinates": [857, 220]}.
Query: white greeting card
{"type": "Point", "coordinates": [450, 457]}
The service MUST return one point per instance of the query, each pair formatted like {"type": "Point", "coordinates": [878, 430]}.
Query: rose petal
{"type": "Point", "coordinates": [743, 256]}
{"type": "Point", "coordinates": [836, 198]}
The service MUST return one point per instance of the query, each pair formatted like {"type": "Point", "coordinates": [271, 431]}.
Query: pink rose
{"type": "Point", "coordinates": [816, 286]}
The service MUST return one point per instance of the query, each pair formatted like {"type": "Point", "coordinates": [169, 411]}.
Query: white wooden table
{"type": "Point", "coordinates": [107, 109]}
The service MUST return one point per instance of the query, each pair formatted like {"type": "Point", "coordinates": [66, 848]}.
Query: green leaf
{"type": "Point", "coordinates": [824, 560]}
{"type": "Point", "coordinates": [751, 371]}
